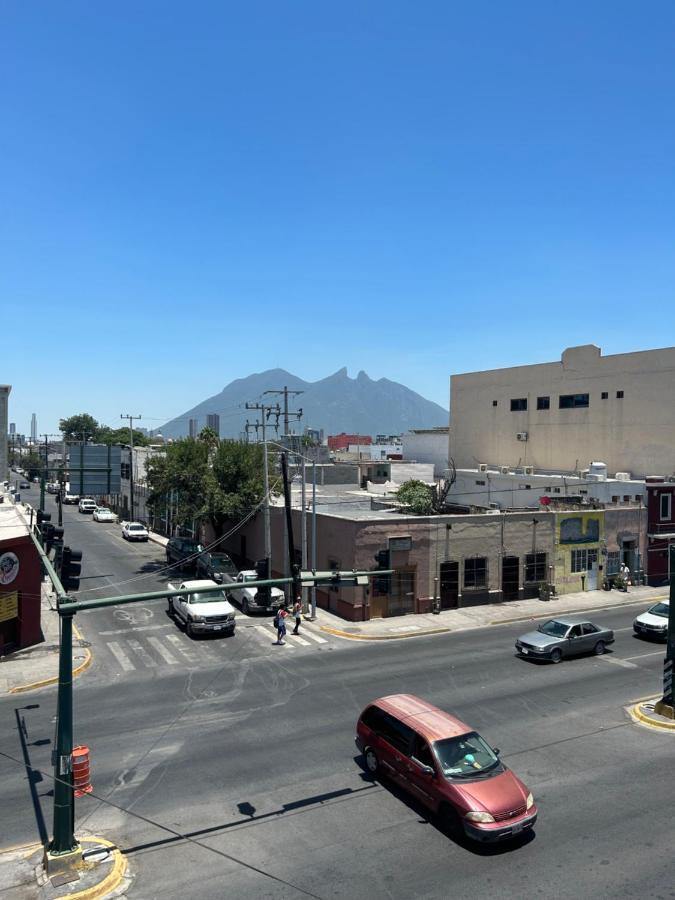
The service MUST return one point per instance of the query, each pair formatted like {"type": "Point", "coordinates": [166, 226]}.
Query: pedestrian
{"type": "Point", "coordinates": [625, 573]}
{"type": "Point", "coordinates": [297, 612]}
{"type": "Point", "coordinates": [280, 619]}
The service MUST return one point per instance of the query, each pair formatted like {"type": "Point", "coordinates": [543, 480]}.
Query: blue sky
{"type": "Point", "coordinates": [191, 192]}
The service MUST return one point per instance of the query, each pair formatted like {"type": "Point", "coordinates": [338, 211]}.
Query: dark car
{"type": "Point", "coordinates": [217, 566]}
{"type": "Point", "coordinates": [24, 486]}
{"type": "Point", "coordinates": [564, 636]}
{"type": "Point", "coordinates": [182, 551]}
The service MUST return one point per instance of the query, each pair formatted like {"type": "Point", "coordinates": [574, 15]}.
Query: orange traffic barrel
{"type": "Point", "coordinates": [81, 781]}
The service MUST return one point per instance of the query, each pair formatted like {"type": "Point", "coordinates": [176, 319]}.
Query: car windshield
{"type": "Point", "coordinates": [102, 509]}
{"type": "Point", "coordinates": [553, 628]}
{"type": "Point", "coordinates": [465, 756]}
{"type": "Point", "coordinates": [136, 527]}
{"type": "Point", "coordinates": [215, 597]}
{"type": "Point", "coordinates": [222, 563]}
{"type": "Point", "coordinates": [660, 609]}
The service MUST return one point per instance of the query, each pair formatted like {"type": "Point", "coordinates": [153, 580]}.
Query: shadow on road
{"type": "Point", "coordinates": [33, 775]}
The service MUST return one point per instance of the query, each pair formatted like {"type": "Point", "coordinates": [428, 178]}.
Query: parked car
{"type": "Point", "coordinates": [86, 505]}
{"type": "Point", "coordinates": [182, 551]}
{"type": "Point", "coordinates": [248, 597]}
{"type": "Point", "coordinates": [202, 612]}
{"type": "Point", "coordinates": [53, 487]}
{"type": "Point", "coordinates": [135, 531]}
{"type": "Point", "coordinates": [564, 636]}
{"type": "Point", "coordinates": [654, 622]}
{"type": "Point", "coordinates": [215, 565]}
{"type": "Point", "coordinates": [103, 514]}
{"type": "Point", "coordinates": [24, 486]}
{"type": "Point", "coordinates": [71, 498]}
{"type": "Point", "coordinates": [447, 766]}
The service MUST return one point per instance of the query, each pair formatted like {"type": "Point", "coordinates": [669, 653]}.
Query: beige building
{"type": "Point", "coordinates": [4, 401]}
{"type": "Point", "coordinates": [559, 416]}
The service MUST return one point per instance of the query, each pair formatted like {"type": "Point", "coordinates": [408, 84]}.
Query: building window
{"type": "Point", "coordinates": [479, 482]}
{"type": "Point", "coordinates": [665, 506]}
{"type": "Point", "coordinates": [626, 498]}
{"type": "Point", "coordinates": [619, 395]}
{"type": "Point", "coordinates": [573, 401]}
{"type": "Point", "coordinates": [613, 562]}
{"type": "Point", "coordinates": [547, 490]}
{"type": "Point", "coordinates": [543, 402]}
{"type": "Point", "coordinates": [475, 572]}
{"type": "Point", "coordinates": [583, 491]}
{"type": "Point", "coordinates": [556, 490]}
{"type": "Point", "coordinates": [615, 498]}
{"type": "Point", "coordinates": [535, 567]}
{"type": "Point", "coordinates": [604, 395]}
{"type": "Point", "coordinates": [578, 561]}
{"type": "Point", "coordinates": [494, 402]}
{"type": "Point", "coordinates": [519, 404]}
{"type": "Point", "coordinates": [638, 498]}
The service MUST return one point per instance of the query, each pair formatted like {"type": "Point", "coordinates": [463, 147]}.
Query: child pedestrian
{"type": "Point", "coordinates": [297, 612]}
{"type": "Point", "coordinates": [281, 624]}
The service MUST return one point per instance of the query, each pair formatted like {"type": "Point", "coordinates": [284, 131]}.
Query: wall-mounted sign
{"type": "Point", "coordinates": [400, 543]}
{"type": "Point", "coordinates": [9, 606]}
{"type": "Point", "coordinates": [9, 567]}
{"type": "Point", "coordinates": [577, 531]}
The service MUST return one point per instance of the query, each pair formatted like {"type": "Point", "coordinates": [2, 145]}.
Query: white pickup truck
{"type": "Point", "coordinates": [201, 612]}
{"type": "Point", "coordinates": [247, 597]}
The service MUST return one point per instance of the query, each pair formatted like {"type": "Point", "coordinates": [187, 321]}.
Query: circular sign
{"type": "Point", "coordinates": [9, 567]}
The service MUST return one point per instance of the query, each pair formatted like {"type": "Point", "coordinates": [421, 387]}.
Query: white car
{"type": "Point", "coordinates": [103, 514]}
{"type": "Point", "coordinates": [654, 622]}
{"type": "Point", "coordinates": [87, 505]}
{"type": "Point", "coordinates": [247, 597]}
{"type": "Point", "coordinates": [200, 612]}
{"type": "Point", "coordinates": [134, 531]}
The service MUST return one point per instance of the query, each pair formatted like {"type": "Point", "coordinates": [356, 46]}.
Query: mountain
{"type": "Point", "coordinates": [336, 403]}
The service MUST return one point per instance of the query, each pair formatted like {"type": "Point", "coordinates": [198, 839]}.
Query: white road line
{"type": "Point", "coordinates": [296, 639]}
{"type": "Point", "coordinates": [120, 656]}
{"type": "Point", "coordinates": [137, 628]}
{"type": "Point", "coordinates": [265, 635]}
{"type": "Point", "coordinates": [163, 652]}
{"type": "Point", "coordinates": [184, 650]}
{"type": "Point", "coordinates": [315, 637]}
{"type": "Point", "coordinates": [619, 662]}
{"type": "Point", "coordinates": [140, 650]}
{"type": "Point", "coordinates": [653, 653]}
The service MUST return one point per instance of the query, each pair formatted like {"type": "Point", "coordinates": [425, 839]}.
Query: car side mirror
{"type": "Point", "coordinates": [496, 751]}
{"type": "Point", "coordinates": [428, 770]}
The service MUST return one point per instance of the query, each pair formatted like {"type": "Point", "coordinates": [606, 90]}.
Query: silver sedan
{"type": "Point", "coordinates": [564, 636]}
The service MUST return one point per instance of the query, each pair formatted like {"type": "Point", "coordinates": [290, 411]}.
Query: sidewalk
{"type": "Point", "coordinates": [490, 614]}
{"type": "Point", "coordinates": [38, 666]}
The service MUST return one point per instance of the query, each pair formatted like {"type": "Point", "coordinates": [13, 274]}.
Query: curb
{"type": "Point", "coordinates": [78, 670]}
{"type": "Point", "coordinates": [382, 637]}
{"type": "Point", "coordinates": [638, 716]}
{"type": "Point", "coordinates": [111, 880]}
{"type": "Point", "coordinates": [571, 612]}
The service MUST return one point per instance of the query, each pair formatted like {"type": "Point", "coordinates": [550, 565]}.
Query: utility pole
{"type": "Point", "coordinates": [131, 463]}
{"type": "Point", "coordinates": [666, 705]}
{"type": "Point", "coordinates": [45, 474]}
{"type": "Point", "coordinates": [266, 412]}
{"type": "Point", "coordinates": [286, 393]}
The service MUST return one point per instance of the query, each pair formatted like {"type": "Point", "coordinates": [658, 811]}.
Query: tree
{"type": "Point", "coordinates": [33, 466]}
{"type": "Point", "coordinates": [239, 485]}
{"type": "Point", "coordinates": [181, 474]}
{"type": "Point", "coordinates": [106, 435]}
{"type": "Point", "coordinates": [418, 496]}
{"type": "Point", "coordinates": [79, 427]}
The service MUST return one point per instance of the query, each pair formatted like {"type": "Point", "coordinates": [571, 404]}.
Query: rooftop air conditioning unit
{"type": "Point", "coordinates": [482, 467]}
{"type": "Point", "coordinates": [494, 505]}
{"type": "Point", "coordinates": [521, 436]}
{"type": "Point", "coordinates": [504, 470]}
{"type": "Point", "coordinates": [622, 476]}
{"type": "Point", "coordinates": [528, 470]}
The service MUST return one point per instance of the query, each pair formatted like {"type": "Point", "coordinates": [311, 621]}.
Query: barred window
{"type": "Point", "coordinates": [579, 560]}
{"type": "Point", "coordinates": [535, 567]}
{"type": "Point", "coordinates": [475, 572]}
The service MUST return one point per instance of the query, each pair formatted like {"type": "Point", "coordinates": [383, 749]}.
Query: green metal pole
{"type": "Point", "coordinates": [64, 801]}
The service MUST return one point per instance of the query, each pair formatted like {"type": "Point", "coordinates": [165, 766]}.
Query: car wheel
{"type": "Point", "coordinates": [188, 629]}
{"type": "Point", "coordinates": [556, 655]}
{"type": "Point", "coordinates": [170, 609]}
{"type": "Point", "coordinates": [371, 761]}
{"type": "Point", "coordinates": [599, 648]}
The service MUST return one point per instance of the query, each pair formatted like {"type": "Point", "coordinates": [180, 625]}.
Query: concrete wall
{"type": "Point", "coordinates": [427, 446]}
{"type": "Point", "coordinates": [634, 434]}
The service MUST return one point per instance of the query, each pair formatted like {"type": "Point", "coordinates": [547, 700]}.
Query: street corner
{"type": "Point", "coordinates": [100, 871]}
{"type": "Point", "coordinates": [82, 659]}
{"type": "Point", "coordinates": [393, 634]}
{"type": "Point", "coordinates": [650, 714]}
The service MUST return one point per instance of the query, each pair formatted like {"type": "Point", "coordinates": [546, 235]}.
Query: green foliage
{"type": "Point", "coordinates": [106, 435]}
{"type": "Point", "coordinates": [239, 480]}
{"type": "Point", "coordinates": [33, 466]}
{"type": "Point", "coordinates": [418, 496]}
{"type": "Point", "coordinates": [182, 473]}
{"type": "Point", "coordinates": [79, 427]}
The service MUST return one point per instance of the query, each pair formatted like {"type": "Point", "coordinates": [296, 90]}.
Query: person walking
{"type": "Point", "coordinates": [281, 624]}
{"type": "Point", "coordinates": [297, 612]}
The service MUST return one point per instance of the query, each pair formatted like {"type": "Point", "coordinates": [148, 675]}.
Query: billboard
{"type": "Point", "coordinates": [94, 469]}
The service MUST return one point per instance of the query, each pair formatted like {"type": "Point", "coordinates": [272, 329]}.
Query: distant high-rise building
{"type": "Point", "coordinates": [33, 428]}
{"type": "Point", "coordinates": [213, 421]}
{"type": "Point", "coordinates": [12, 428]}
{"type": "Point", "coordinates": [193, 428]}
{"type": "Point", "coordinates": [4, 400]}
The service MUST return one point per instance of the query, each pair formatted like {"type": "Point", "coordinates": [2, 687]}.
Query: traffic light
{"type": "Point", "coordinates": [262, 573]}
{"type": "Point", "coordinates": [70, 568]}
{"type": "Point", "coordinates": [54, 538]}
{"type": "Point", "coordinates": [43, 516]}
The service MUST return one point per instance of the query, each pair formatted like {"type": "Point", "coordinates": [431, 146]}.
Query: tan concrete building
{"type": "Point", "coordinates": [4, 402]}
{"type": "Point", "coordinates": [559, 416]}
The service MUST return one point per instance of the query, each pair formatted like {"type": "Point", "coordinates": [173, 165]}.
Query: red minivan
{"type": "Point", "coordinates": [446, 765]}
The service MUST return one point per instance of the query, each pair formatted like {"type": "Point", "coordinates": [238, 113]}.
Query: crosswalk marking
{"type": "Point", "coordinates": [296, 639]}
{"type": "Point", "coordinates": [138, 648]}
{"type": "Point", "coordinates": [163, 652]}
{"type": "Point", "coordinates": [120, 656]}
{"type": "Point", "coordinates": [190, 655]}
{"type": "Point", "coordinates": [314, 637]}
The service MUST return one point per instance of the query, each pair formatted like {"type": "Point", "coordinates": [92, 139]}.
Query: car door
{"type": "Point", "coordinates": [590, 635]}
{"type": "Point", "coordinates": [396, 744]}
{"type": "Point", "coordinates": [422, 782]}
{"type": "Point", "coordinates": [575, 643]}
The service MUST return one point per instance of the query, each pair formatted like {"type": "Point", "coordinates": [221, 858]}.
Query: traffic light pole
{"type": "Point", "coordinates": [64, 842]}
{"type": "Point", "coordinates": [666, 705]}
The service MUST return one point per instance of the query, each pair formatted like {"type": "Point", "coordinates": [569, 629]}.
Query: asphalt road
{"type": "Point", "coordinates": [250, 756]}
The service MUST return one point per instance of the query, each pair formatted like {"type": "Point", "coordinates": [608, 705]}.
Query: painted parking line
{"type": "Point", "coordinates": [120, 656]}
{"type": "Point", "coordinates": [159, 648]}
{"type": "Point", "coordinates": [616, 661]}
{"type": "Point", "coordinates": [653, 653]}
